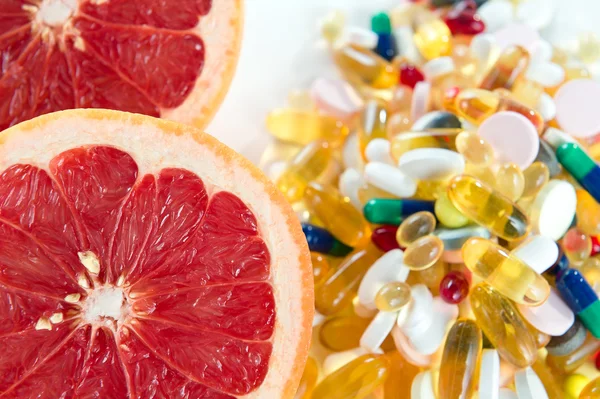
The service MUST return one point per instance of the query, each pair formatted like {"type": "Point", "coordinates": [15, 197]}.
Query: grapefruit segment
{"type": "Point", "coordinates": [12, 45]}
{"type": "Point", "coordinates": [56, 91]}
{"type": "Point", "coordinates": [11, 22]}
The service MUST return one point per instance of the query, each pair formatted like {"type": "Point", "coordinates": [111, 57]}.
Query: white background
{"type": "Point", "coordinates": [281, 51]}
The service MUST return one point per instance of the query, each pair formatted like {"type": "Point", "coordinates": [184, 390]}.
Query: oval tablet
{"type": "Point", "coordinates": [422, 386]}
{"type": "Point", "coordinates": [386, 269]}
{"type": "Point", "coordinates": [349, 183]}
{"type": "Point", "coordinates": [429, 341]}
{"type": "Point", "coordinates": [431, 163]}
{"type": "Point", "coordinates": [420, 313]}
{"type": "Point", "coordinates": [539, 253]}
{"type": "Point", "coordinates": [389, 178]}
{"type": "Point", "coordinates": [512, 136]}
{"type": "Point", "coordinates": [420, 100]}
{"type": "Point", "coordinates": [552, 317]}
{"type": "Point", "coordinates": [489, 374]}
{"type": "Point", "coordinates": [407, 351]}
{"type": "Point", "coordinates": [377, 331]}
{"type": "Point", "coordinates": [577, 107]}
{"type": "Point", "coordinates": [553, 210]}
{"type": "Point", "coordinates": [378, 150]}
{"type": "Point", "coordinates": [529, 385]}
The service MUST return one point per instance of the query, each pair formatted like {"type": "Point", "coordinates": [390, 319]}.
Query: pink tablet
{"type": "Point", "coordinates": [577, 107]}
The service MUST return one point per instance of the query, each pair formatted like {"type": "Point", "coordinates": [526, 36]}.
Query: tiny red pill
{"type": "Point", "coordinates": [410, 75]}
{"type": "Point", "coordinates": [454, 287]}
{"type": "Point", "coordinates": [384, 238]}
{"type": "Point", "coordinates": [463, 20]}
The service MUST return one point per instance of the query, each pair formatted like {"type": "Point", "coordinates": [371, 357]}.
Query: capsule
{"type": "Point", "coordinates": [569, 363]}
{"type": "Point", "coordinates": [307, 165]}
{"type": "Point", "coordinates": [411, 140]}
{"type": "Point", "coordinates": [340, 217]}
{"type": "Point", "coordinates": [510, 181]}
{"type": "Point", "coordinates": [341, 284]}
{"type": "Point", "coordinates": [591, 390]}
{"type": "Point", "coordinates": [342, 333]}
{"type": "Point", "coordinates": [357, 379]}
{"type": "Point", "coordinates": [322, 241]}
{"type": "Point", "coordinates": [588, 213]}
{"type": "Point", "coordinates": [399, 122]}
{"type": "Point", "coordinates": [368, 192]}
{"type": "Point", "coordinates": [581, 298]}
{"type": "Point", "coordinates": [508, 333]}
{"type": "Point", "coordinates": [363, 67]}
{"type": "Point", "coordinates": [432, 38]}
{"type": "Point", "coordinates": [384, 237]}
{"type": "Point", "coordinates": [549, 380]}
{"type": "Point", "coordinates": [474, 149]}
{"type": "Point", "coordinates": [392, 297]}
{"type": "Point", "coordinates": [581, 167]}
{"type": "Point", "coordinates": [414, 227]}
{"type": "Point", "coordinates": [505, 272]}
{"type": "Point", "coordinates": [433, 275]}
{"type": "Point", "coordinates": [423, 253]}
{"type": "Point", "coordinates": [386, 42]}
{"type": "Point", "coordinates": [487, 207]}
{"type": "Point", "coordinates": [447, 213]}
{"type": "Point", "coordinates": [392, 211]}
{"type": "Point", "coordinates": [577, 246]}
{"type": "Point", "coordinates": [536, 176]}
{"type": "Point", "coordinates": [454, 287]}
{"type": "Point", "coordinates": [302, 127]}
{"type": "Point", "coordinates": [308, 380]}
{"type": "Point", "coordinates": [511, 66]}
{"type": "Point", "coordinates": [402, 373]}
{"type": "Point", "coordinates": [460, 360]}
{"type": "Point", "coordinates": [372, 124]}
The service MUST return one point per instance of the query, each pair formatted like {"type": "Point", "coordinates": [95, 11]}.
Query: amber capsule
{"type": "Point", "coordinates": [307, 165]}
{"type": "Point", "coordinates": [510, 181]}
{"type": "Point", "coordinates": [591, 271]}
{"type": "Point", "coordinates": [338, 214]}
{"type": "Point", "coordinates": [591, 390]}
{"type": "Point", "coordinates": [551, 382]}
{"type": "Point", "coordinates": [577, 246]}
{"type": "Point", "coordinates": [588, 213]}
{"type": "Point", "coordinates": [320, 266]}
{"type": "Point", "coordinates": [356, 380]}
{"type": "Point", "coordinates": [423, 253]}
{"type": "Point", "coordinates": [302, 127]}
{"type": "Point", "coordinates": [474, 149]}
{"type": "Point", "coordinates": [505, 272]}
{"type": "Point", "coordinates": [398, 123]}
{"type": "Point", "coordinates": [569, 363]}
{"type": "Point", "coordinates": [308, 380]}
{"type": "Point", "coordinates": [433, 276]}
{"type": "Point", "coordinates": [372, 125]}
{"type": "Point", "coordinates": [392, 297]}
{"type": "Point", "coordinates": [487, 207]}
{"type": "Point", "coordinates": [460, 361]}
{"type": "Point", "coordinates": [341, 284]}
{"type": "Point", "coordinates": [432, 38]}
{"type": "Point", "coordinates": [342, 333]}
{"type": "Point", "coordinates": [367, 192]}
{"type": "Point", "coordinates": [536, 176]}
{"type": "Point", "coordinates": [362, 67]}
{"type": "Point", "coordinates": [503, 325]}
{"type": "Point", "coordinates": [415, 226]}
{"type": "Point", "coordinates": [511, 65]}
{"type": "Point", "coordinates": [527, 92]}
{"type": "Point", "coordinates": [402, 373]}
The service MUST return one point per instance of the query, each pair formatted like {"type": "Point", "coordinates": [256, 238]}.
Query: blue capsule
{"type": "Point", "coordinates": [322, 241]}
{"type": "Point", "coordinates": [581, 298]}
{"type": "Point", "coordinates": [386, 42]}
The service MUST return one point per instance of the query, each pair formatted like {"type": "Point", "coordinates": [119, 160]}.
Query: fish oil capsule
{"type": "Point", "coordinates": [487, 207]}
{"type": "Point", "coordinates": [591, 271]}
{"type": "Point", "coordinates": [307, 165]}
{"type": "Point", "coordinates": [511, 65]}
{"type": "Point", "coordinates": [432, 38]}
{"type": "Point", "coordinates": [474, 149]}
{"type": "Point", "coordinates": [460, 359]}
{"type": "Point", "coordinates": [384, 238]}
{"type": "Point", "coordinates": [510, 181]}
{"type": "Point", "coordinates": [392, 211]}
{"type": "Point", "coordinates": [341, 284]}
{"type": "Point", "coordinates": [407, 141]}
{"type": "Point", "coordinates": [393, 296]}
{"type": "Point", "coordinates": [357, 379]}
{"type": "Point", "coordinates": [322, 241]}
{"type": "Point", "coordinates": [415, 226]}
{"type": "Point", "coordinates": [577, 246]}
{"type": "Point", "coordinates": [548, 379]}
{"type": "Point", "coordinates": [509, 333]}
{"type": "Point", "coordinates": [342, 333]}
{"type": "Point", "coordinates": [337, 213]}
{"type": "Point", "coordinates": [302, 127]}
{"type": "Point", "coordinates": [591, 390]}
{"type": "Point", "coordinates": [363, 67]}
{"type": "Point", "coordinates": [386, 269]}
{"type": "Point", "coordinates": [431, 190]}
{"type": "Point", "coordinates": [588, 213]}
{"type": "Point", "coordinates": [433, 275]}
{"type": "Point", "coordinates": [447, 213]}
{"type": "Point", "coordinates": [308, 380]}
{"type": "Point", "coordinates": [320, 267]}
{"type": "Point", "coordinates": [401, 100]}
{"type": "Point", "coordinates": [399, 122]}
{"type": "Point", "coordinates": [505, 272]}
{"type": "Point", "coordinates": [401, 374]}
{"type": "Point", "coordinates": [423, 252]}
{"type": "Point", "coordinates": [536, 176]}
{"type": "Point", "coordinates": [569, 363]}
{"type": "Point", "coordinates": [372, 125]}
{"type": "Point", "coordinates": [454, 287]}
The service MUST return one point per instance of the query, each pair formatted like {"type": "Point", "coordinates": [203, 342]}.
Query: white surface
{"type": "Point", "coordinates": [489, 374]}
{"type": "Point", "coordinates": [387, 269]}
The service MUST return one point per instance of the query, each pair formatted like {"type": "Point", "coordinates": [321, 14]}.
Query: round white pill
{"type": "Point", "coordinates": [553, 209]}
{"type": "Point", "coordinates": [390, 178]}
{"type": "Point", "coordinates": [378, 150]}
{"type": "Point", "coordinates": [546, 107]}
{"type": "Point", "coordinates": [553, 317]}
{"type": "Point", "coordinates": [577, 107]}
{"type": "Point", "coordinates": [386, 269]}
{"type": "Point", "coordinates": [539, 253]}
{"type": "Point", "coordinates": [529, 385]}
{"type": "Point", "coordinates": [431, 163]}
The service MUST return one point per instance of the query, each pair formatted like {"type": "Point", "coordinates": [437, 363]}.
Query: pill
{"type": "Point", "coordinates": [378, 150]}
{"type": "Point", "coordinates": [576, 110]}
{"type": "Point", "coordinates": [390, 179]}
{"type": "Point", "coordinates": [392, 211]}
{"type": "Point", "coordinates": [337, 360]}
{"type": "Point", "coordinates": [431, 163]}
{"type": "Point", "coordinates": [547, 155]}
{"type": "Point", "coordinates": [430, 340]}
{"type": "Point", "coordinates": [546, 107]}
{"type": "Point", "coordinates": [377, 331]}
{"type": "Point", "coordinates": [420, 100]}
{"type": "Point", "coordinates": [529, 385]}
{"type": "Point", "coordinates": [350, 153]}
{"type": "Point", "coordinates": [553, 317]}
{"type": "Point", "coordinates": [496, 14]}
{"type": "Point", "coordinates": [538, 252]}
{"type": "Point", "coordinates": [489, 374]}
{"type": "Point", "coordinates": [536, 13]}
{"type": "Point", "coordinates": [569, 341]}
{"type": "Point", "coordinates": [362, 37]}
{"type": "Point", "coordinates": [547, 74]}
{"type": "Point", "coordinates": [581, 298]}
{"type": "Point", "coordinates": [420, 313]}
{"type": "Point", "coordinates": [422, 386]}
{"type": "Point", "coordinates": [407, 351]}
{"type": "Point", "coordinates": [454, 239]}
{"type": "Point", "coordinates": [437, 120]}
{"type": "Point", "coordinates": [336, 97]}
{"type": "Point", "coordinates": [553, 210]}
{"type": "Point", "coordinates": [349, 183]}
{"type": "Point", "coordinates": [387, 268]}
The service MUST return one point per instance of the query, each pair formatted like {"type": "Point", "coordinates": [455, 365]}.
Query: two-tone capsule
{"type": "Point", "coordinates": [583, 168]}
{"type": "Point", "coordinates": [322, 241]}
{"type": "Point", "coordinates": [581, 298]}
{"type": "Point", "coordinates": [392, 211]}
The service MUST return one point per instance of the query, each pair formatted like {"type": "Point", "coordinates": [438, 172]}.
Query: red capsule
{"type": "Point", "coordinates": [410, 75]}
{"type": "Point", "coordinates": [384, 237]}
{"type": "Point", "coordinates": [454, 287]}
{"type": "Point", "coordinates": [463, 20]}
{"type": "Point", "coordinates": [595, 246]}
{"type": "Point", "coordinates": [597, 362]}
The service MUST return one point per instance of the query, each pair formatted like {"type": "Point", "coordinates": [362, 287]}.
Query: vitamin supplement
{"type": "Point", "coordinates": [389, 179]}
{"type": "Point", "coordinates": [406, 349]}
{"type": "Point", "coordinates": [588, 213]}
{"type": "Point", "coordinates": [361, 37]}
{"type": "Point", "coordinates": [320, 267]}
{"type": "Point", "coordinates": [307, 165]}
{"type": "Point", "coordinates": [337, 360]}
{"type": "Point", "coordinates": [432, 276]}
{"type": "Point", "coordinates": [339, 216]}
{"type": "Point", "coordinates": [356, 379]}
{"type": "Point", "coordinates": [510, 181]}
{"type": "Point", "coordinates": [447, 213]}
{"type": "Point", "coordinates": [463, 20]}
{"type": "Point", "coordinates": [591, 390]}
{"type": "Point", "coordinates": [384, 238]}
{"type": "Point", "coordinates": [569, 363]}
{"type": "Point", "coordinates": [308, 380]}
{"type": "Point", "coordinates": [414, 227]}
{"type": "Point", "coordinates": [432, 38]}
{"type": "Point", "coordinates": [392, 297]}
{"type": "Point", "coordinates": [574, 385]}
{"type": "Point", "coordinates": [553, 317]}
{"type": "Point", "coordinates": [341, 333]}
{"type": "Point", "coordinates": [302, 127]}
{"type": "Point", "coordinates": [551, 382]}
{"type": "Point", "coordinates": [372, 124]}
{"type": "Point", "coordinates": [378, 150]}
{"type": "Point", "coordinates": [422, 386]}
{"type": "Point", "coordinates": [575, 110]}
{"type": "Point", "coordinates": [511, 65]}
{"type": "Point", "coordinates": [581, 167]}
{"type": "Point", "coordinates": [349, 183]}
{"type": "Point", "coordinates": [489, 374]}
{"type": "Point", "coordinates": [547, 156]}
{"type": "Point", "coordinates": [553, 210]}
{"type": "Point", "coordinates": [488, 208]}
{"type": "Point", "coordinates": [508, 334]}
{"type": "Point", "coordinates": [341, 284]}
{"type": "Point", "coordinates": [460, 360]}
{"type": "Point", "coordinates": [581, 298]}
{"type": "Point", "coordinates": [591, 271]}
{"type": "Point", "coordinates": [536, 176]}
{"type": "Point", "coordinates": [505, 272]}
{"type": "Point", "coordinates": [410, 75]}
{"type": "Point", "coordinates": [336, 97]}
{"type": "Point", "coordinates": [569, 342]}
{"type": "Point", "coordinates": [399, 123]}
{"type": "Point", "coordinates": [577, 246]}
{"type": "Point", "coordinates": [332, 26]}
{"type": "Point", "coordinates": [386, 269]}
{"type": "Point", "coordinates": [377, 331]}
{"type": "Point", "coordinates": [386, 43]}
{"type": "Point", "coordinates": [362, 67]}
{"type": "Point", "coordinates": [474, 149]}
{"type": "Point", "coordinates": [455, 238]}
{"type": "Point", "coordinates": [431, 163]}
{"type": "Point", "coordinates": [322, 241]}
{"type": "Point", "coordinates": [423, 253]}
{"type": "Point", "coordinates": [401, 99]}
{"type": "Point", "coordinates": [407, 141]}
{"type": "Point", "coordinates": [392, 211]}
{"type": "Point", "coordinates": [401, 373]}
{"type": "Point", "coordinates": [529, 385]}
{"type": "Point", "coordinates": [368, 192]}
{"type": "Point", "coordinates": [454, 287]}
{"type": "Point", "coordinates": [421, 100]}
{"type": "Point", "coordinates": [438, 122]}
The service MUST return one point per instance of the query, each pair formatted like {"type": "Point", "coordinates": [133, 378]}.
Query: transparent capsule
{"type": "Point", "coordinates": [509, 333]}
{"type": "Point", "coordinates": [363, 67]}
{"type": "Point", "coordinates": [577, 246]}
{"type": "Point", "coordinates": [392, 297]}
{"type": "Point", "coordinates": [511, 65]}
{"type": "Point", "coordinates": [454, 287]}
{"type": "Point", "coordinates": [505, 272]}
{"type": "Point", "coordinates": [384, 237]}
{"type": "Point", "coordinates": [510, 181]}
{"type": "Point", "coordinates": [474, 149]}
{"type": "Point", "coordinates": [536, 176]}
{"type": "Point", "coordinates": [320, 266]}
{"type": "Point", "coordinates": [549, 380]}
{"type": "Point", "coordinates": [431, 190]}
{"type": "Point", "coordinates": [588, 213]}
{"type": "Point", "coordinates": [591, 271]}
{"type": "Point", "coordinates": [432, 38]}
{"type": "Point", "coordinates": [483, 174]}
{"type": "Point", "coordinates": [570, 362]}
{"type": "Point", "coordinates": [342, 333]}
{"type": "Point", "coordinates": [401, 100]}
{"type": "Point", "coordinates": [460, 360]}
{"type": "Point", "coordinates": [414, 227]}
{"type": "Point", "coordinates": [407, 141]}
{"type": "Point", "coordinates": [372, 125]}
{"type": "Point", "coordinates": [398, 123]}
{"type": "Point", "coordinates": [591, 390]}
{"type": "Point", "coordinates": [433, 276]}
{"type": "Point", "coordinates": [423, 253]}
{"type": "Point", "coordinates": [484, 205]}
{"type": "Point", "coordinates": [402, 373]}
{"type": "Point", "coordinates": [447, 213]}
{"type": "Point", "coordinates": [527, 92]}
{"type": "Point", "coordinates": [308, 380]}
{"type": "Point", "coordinates": [368, 192]}
{"type": "Point", "coordinates": [302, 127]}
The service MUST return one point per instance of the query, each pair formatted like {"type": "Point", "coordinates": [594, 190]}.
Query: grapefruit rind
{"type": "Point", "coordinates": [156, 144]}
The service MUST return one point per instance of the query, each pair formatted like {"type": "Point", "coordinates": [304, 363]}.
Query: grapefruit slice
{"type": "Point", "coordinates": [141, 258]}
{"type": "Point", "coordinates": [168, 58]}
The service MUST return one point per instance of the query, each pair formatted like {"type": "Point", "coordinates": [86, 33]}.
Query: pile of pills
{"type": "Point", "coordinates": [448, 189]}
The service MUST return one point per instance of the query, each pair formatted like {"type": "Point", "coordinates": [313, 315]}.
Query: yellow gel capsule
{"type": "Point", "coordinates": [484, 205]}
{"type": "Point", "coordinates": [569, 363]}
{"type": "Point", "coordinates": [536, 177]}
{"type": "Point", "coordinates": [510, 181]}
{"type": "Point", "coordinates": [367, 192]}
{"type": "Point", "coordinates": [423, 253]}
{"type": "Point", "coordinates": [460, 361]}
{"type": "Point", "coordinates": [591, 390]}
{"type": "Point", "coordinates": [577, 72]}
{"type": "Point", "coordinates": [591, 271]}
{"type": "Point", "coordinates": [574, 385]}
{"type": "Point", "coordinates": [307, 165]}
{"type": "Point", "coordinates": [588, 213]}
{"type": "Point", "coordinates": [401, 100]}
{"type": "Point", "coordinates": [503, 325]}
{"type": "Point", "coordinates": [305, 215]}
{"type": "Point", "coordinates": [447, 213]}
{"type": "Point", "coordinates": [362, 66]}
{"type": "Point", "coordinates": [355, 380]}
{"type": "Point", "coordinates": [398, 384]}
{"type": "Point", "coordinates": [373, 123]}
{"type": "Point", "coordinates": [527, 92]}
{"type": "Point", "coordinates": [433, 276]}
{"type": "Point", "coordinates": [551, 382]}
{"type": "Point", "coordinates": [577, 246]}
{"type": "Point", "coordinates": [308, 380]}
{"type": "Point", "coordinates": [338, 214]}
{"type": "Point", "coordinates": [505, 272]}
{"type": "Point", "coordinates": [483, 174]}
{"type": "Point", "coordinates": [434, 138]}
{"type": "Point", "coordinates": [414, 227]}
{"type": "Point", "coordinates": [398, 123]}
{"type": "Point", "coordinates": [320, 266]}
{"type": "Point", "coordinates": [341, 284]}
{"type": "Point", "coordinates": [343, 332]}
{"type": "Point", "coordinates": [511, 65]}
{"type": "Point", "coordinates": [430, 190]}
{"type": "Point", "coordinates": [393, 296]}
{"type": "Point", "coordinates": [474, 149]}
{"type": "Point", "coordinates": [302, 127]}
{"type": "Point", "coordinates": [432, 39]}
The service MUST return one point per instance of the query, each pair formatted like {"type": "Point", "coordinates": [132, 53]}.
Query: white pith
{"type": "Point", "coordinates": [105, 306]}
{"type": "Point", "coordinates": [56, 13]}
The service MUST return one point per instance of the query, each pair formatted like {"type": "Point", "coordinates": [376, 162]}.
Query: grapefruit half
{"type": "Point", "coordinates": [141, 258]}
{"type": "Point", "coordinates": [168, 58]}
